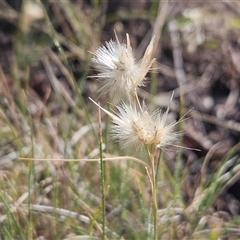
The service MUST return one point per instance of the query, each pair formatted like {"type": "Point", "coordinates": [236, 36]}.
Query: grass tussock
{"type": "Point", "coordinates": [117, 169]}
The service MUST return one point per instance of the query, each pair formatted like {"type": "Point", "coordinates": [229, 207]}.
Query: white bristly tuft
{"type": "Point", "coordinates": [120, 73]}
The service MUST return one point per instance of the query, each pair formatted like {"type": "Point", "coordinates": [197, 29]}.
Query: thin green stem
{"type": "Point", "coordinates": [154, 199]}
{"type": "Point", "coordinates": [12, 222]}
{"type": "Point", "coordinates": [102, 169]}
{"type": "Point", "coordinates": [154, 190]}
{"type": "Point", "coordinates": [31, 175]}
{"type": "Point", "coordinates": [158, 165]}
{"type": "Point", "coordinates": [7, 234]}
{"type": "Point", "coordinates": [30, 165]}
{"type": "Point", "coordinates": [151, 209]}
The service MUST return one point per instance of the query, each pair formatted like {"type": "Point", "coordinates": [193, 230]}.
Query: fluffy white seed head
{"type": "Point", "coordinates": [119, 72]}
{"type": "Point", "coordinates": [137, 128]}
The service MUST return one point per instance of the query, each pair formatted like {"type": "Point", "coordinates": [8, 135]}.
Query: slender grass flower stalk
{"type": "Point", "coordinates": [120, 73]}
{"type": "Point", "coordinates": [138, 128]}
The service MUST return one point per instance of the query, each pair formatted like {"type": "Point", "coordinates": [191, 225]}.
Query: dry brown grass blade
{"type": "Point", "coordinates": [63, 68]}
{"type": "Point", "coordinates": [80, 23]}
{"type": "Point", "coordinates": [88, 160]}
{"type": "Point", "coordinates": [207, 158]}
{"type": "Point", "coordinates": [4, 90]}
{"type": "Point", "coordinates": [45, 99]}
{"type": "Point", "coordinates": [230, 182]}
{"type": "Point", "coordinates": [66, 213]}
{"type": "Point", "coordinates": [156, 31]}
{"type": "Point", "coordinates": [211, 119]}
{"type": "Point", "coordinates": [58, 87]}
{"type": "Point", "coordinates": [6, 11]}
{"type": "Point", "coordinates": [60, 211]}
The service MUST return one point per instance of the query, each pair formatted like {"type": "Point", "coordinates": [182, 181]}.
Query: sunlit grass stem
{"type": "Point", "coordinates": [152, 179]}
{"type": "Point", "coordinates": [30, 165]}
{"type": "Point", "coordinates": [154, 197]}
{"type": "Point", "coordinates": [102, 170]}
